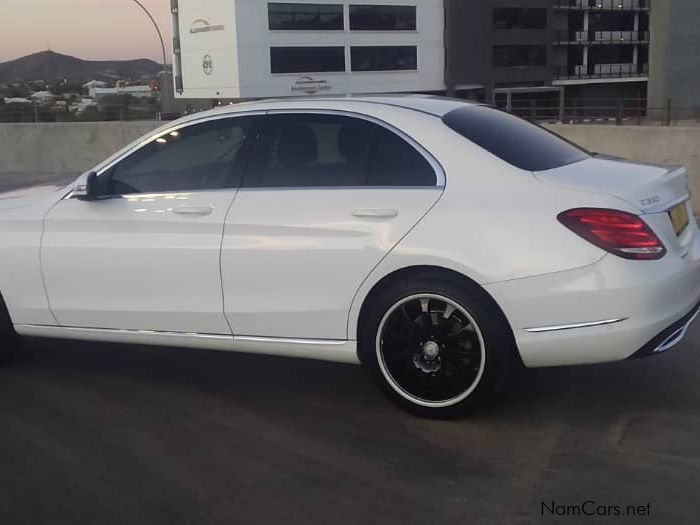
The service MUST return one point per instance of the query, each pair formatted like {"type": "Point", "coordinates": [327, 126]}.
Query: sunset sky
{"type": "Point", "coordinates": [88, 29]}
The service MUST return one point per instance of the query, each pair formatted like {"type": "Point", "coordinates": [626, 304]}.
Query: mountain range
{"type": "Point", "coordinates": [50, 66]}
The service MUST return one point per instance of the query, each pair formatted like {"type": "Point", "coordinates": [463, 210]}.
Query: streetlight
{"type": "Point", "coordinates": [162, 42]}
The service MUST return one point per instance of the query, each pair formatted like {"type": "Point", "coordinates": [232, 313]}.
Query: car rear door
{"type": "Point", "coordinates": [325, 198]}
{"type": "Point", "coordinates": [146, 255]}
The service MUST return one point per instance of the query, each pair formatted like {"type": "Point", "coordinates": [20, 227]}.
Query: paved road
{"type": "Point", "coordinates": [109, 434]}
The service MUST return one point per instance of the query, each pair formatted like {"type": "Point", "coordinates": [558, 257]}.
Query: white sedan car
{"type": "Point", "coordinates": [439, 243]}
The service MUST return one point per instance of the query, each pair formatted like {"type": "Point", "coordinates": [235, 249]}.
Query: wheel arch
{"type": "Point", "coordinates": [395, 276]}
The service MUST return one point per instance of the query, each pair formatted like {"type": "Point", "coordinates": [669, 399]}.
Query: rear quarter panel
{"type": "Point", "coordinates": [494, 222]}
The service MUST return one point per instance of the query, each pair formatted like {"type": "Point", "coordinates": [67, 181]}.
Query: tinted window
{"type": "Point", "coordinates": [384, 58]}
{"type": "Point", "coordinates": [334, 151]}
{"type": "Point", "coordinates": [382, 18]}
{"type": "Point", "coordinates": [519, 18]}
{"type": "Point", "coordinates": [307, 59]}
{"type": "Point", "coordinates": [518, 142]}
{"type": "Point", "coordinates": [519, 56]}
{"type": "Point", "coordinates": [199, 157]}
{"type": "Point", "coordinates": [305, 16]}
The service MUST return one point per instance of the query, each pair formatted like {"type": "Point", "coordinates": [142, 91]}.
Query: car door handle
{"type": "Point", "coordinates": [376, 213]}
{"type": "Point", "coordinates": [193, 210]}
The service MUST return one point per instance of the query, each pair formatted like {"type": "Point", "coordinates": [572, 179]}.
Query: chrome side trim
{"type": "Point", "coordinates": [124, 331]}
{"type": "Point", "coordinates": [258, 339]}
{"type": "Point", "coordinates": [556, 328]}
{"type": "Point", "coordinates": [322, 349]}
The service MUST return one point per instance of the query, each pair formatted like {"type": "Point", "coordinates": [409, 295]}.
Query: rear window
{"type": "Point", "coordinates": [516, 141]}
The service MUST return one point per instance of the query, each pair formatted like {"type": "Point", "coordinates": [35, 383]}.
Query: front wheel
{"type": "Point", "coordinates": [9, 341]}
{"type": "Point", "coordinates": [438, 347]}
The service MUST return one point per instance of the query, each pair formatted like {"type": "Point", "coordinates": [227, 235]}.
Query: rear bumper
{"type": "Point", "coordinates": [669, 337]}
{"type": "Point", "coordinates": [651, 302]}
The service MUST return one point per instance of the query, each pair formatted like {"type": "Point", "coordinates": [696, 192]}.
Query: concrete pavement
{"type": "Point", "coordinates": [97, 433]}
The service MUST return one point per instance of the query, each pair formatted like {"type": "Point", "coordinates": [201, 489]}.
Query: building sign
{"type": "Point", "coordinates": [310, 85]}
{"type": "Point", "coordinates": [203, 26]}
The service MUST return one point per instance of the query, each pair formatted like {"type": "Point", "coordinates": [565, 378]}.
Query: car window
{"type": "Point", "coordinates": [204, 156]}
{"type": "Point", "coordinates": [516, 141]}
{"type": "Point", "coordinates": [314, 150]}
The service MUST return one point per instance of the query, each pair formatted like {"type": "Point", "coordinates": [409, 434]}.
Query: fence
{"type": "Point", "coordinates": [608, 5]}
{"type": "Point", "coordinates": [629, 112]}
{"type": "Point", "coordinates": [26, 112]}
{"type": "Point", "coordinates": [624, 111]}
{"type": "Point", "coordinates": [593, 37]}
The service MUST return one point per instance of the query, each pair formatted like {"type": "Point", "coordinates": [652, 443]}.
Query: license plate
{"type": "Point", "coordinates": [679, 218]}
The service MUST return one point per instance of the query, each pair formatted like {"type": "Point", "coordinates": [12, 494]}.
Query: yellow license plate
{"type": "Point", "coordinates": [679, 218]}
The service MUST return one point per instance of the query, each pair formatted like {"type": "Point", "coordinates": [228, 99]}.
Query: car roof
{"type": "Point", "coordinates": [434, 105]}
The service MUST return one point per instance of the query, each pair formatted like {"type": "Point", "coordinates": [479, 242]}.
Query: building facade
{"type": "Point", "coordinates": [254, 48]}
{"type": "Point", "coordinates": [674, 75]}
{"type": "Point", "coordinates": [578, 53]}
{"type": "Point", "coordinates": [584, 50]}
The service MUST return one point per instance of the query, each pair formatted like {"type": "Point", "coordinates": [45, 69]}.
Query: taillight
{"type": "Point", "coordinates": [618, 232]}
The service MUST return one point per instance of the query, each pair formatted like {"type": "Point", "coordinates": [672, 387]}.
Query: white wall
{"type": "Point", "coordinates": [247, 45]}
{"type": "Point", "coordinates": [219, 46]}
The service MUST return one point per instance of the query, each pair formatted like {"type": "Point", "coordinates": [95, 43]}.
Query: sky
{"type": "Point", "coordinates": [87, 29]}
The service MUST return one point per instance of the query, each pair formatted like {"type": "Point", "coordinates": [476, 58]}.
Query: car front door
{"type": "Point", "coordinates": [145, 255]}
{"type": "Point", "coordinates": [325, 198]}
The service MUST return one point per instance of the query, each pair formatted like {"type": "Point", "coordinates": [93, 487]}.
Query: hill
{"type": "Point", "coordinates": [50, 66]}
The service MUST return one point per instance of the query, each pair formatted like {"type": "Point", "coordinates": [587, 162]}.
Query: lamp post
{"type": "Point", "coordinates": [162, 44]}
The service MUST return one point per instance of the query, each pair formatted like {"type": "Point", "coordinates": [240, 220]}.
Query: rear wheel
{"type": "Point", "coordinates": [437, 346]}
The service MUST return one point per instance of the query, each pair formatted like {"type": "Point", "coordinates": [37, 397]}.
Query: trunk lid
{"type": "Point", "coordinates": [649, 188]}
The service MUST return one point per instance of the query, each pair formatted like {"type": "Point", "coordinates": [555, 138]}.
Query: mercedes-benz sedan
{"type": "Point", "coordinates": [439, 243]}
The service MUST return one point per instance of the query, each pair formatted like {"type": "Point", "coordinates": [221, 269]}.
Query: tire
{"type": "Point", "coordinates": [438, 346]}
{"type": "Point", "coordinates": [9, 341]}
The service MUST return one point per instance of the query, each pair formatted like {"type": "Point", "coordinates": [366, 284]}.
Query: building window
{"type": "Point", "coordinates": [611, 21]}
{"type": "Point", "coordinates": [382, 18]}
{"type": "Point", "coordinates": [320, 17]}
{"type": "Point", "coordinates": [520, 18]}
{"type": "Point", "coordinates": [519, 56]}
{"type": "Point", "coordinates": [384, 58]}
{"type": "Point", "coordinates": [307, 59]}
{"type": "Point", "coordinates": [611, 55]}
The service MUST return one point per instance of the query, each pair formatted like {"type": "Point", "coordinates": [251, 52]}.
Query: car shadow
{"type": "Point", "coordinates": [288, 385]}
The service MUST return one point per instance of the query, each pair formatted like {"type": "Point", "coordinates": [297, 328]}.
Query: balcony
{"type": "Point", "coordinates": [603, 71]}
{"type": "Point", "coordinates": [603, 5]}
{"type": "Point", "coordinates": [600, 37]}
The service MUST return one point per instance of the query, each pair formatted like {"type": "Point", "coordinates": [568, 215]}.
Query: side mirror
{"type": "Point", "coordinates": [85, 188]}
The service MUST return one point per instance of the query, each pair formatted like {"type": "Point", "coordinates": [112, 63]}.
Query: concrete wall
{"type": "Point", "coordinates": [57, 152]}
{"type": "Point", "coordinates": [43, 152]}
{"type": "Point", "coordinates": [673, 145]}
